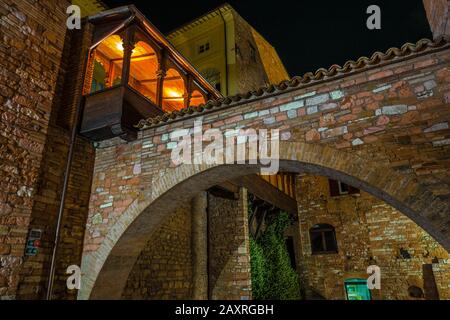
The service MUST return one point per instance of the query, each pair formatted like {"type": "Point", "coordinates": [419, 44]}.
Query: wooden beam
{"type": "Point", "coordinates": [267, 192]}
{"type": "Point", "coordinates": [156, 80]}
{"type": "Point", "coordinates": [173, 98]}
{"type": "Point", "coordinates": [143, 57]}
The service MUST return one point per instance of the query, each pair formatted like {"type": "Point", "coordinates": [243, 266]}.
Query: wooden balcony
{"type": "Point", "coordinates": [114, 112]}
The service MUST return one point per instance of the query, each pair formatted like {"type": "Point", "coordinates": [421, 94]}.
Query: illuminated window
{"type": "Point", "coordinates": [108, 62]}
{"type": "Point", "coordinates": [323, 239]}
{"type": "Point", "coordinates": [143, 70]}
{"type": "Point", "coordinates": [197, 98]}
{"type": "Point", "coordinates": [173, 91]}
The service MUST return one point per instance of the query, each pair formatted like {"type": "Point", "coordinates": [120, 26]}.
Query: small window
{"type": "Point", "coordinates": [338, 188]}
{"type": "Point", "coordinates": [203, 48]}
{"type": "Point", "coordinates": [323, 239]}
{"type": "Point", "coordinates": [107, 64]}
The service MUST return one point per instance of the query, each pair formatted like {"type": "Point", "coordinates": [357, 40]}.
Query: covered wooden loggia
{"type": "Point", "coordinates": [134, 73]}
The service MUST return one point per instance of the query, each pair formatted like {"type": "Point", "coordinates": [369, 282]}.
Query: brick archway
{"type": "Point", "coordinates": [106, 270]}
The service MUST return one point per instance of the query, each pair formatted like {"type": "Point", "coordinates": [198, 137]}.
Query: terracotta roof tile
{"type": "Point", "coordinates": [363, 63]}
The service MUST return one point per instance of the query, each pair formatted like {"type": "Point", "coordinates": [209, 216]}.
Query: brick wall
{"type": "Point", "coordinates": [164, 269]}
{"type": "Point", "coordinates": [385, 129]}
{"type": "Point", "coordinates": [441, 272]}
{"type": "Point", "coordinates": [438, 16]}
{"type": "Point", "coordinates": [273, 66]}
{"type": "Point", "coordinates": [250, 73]}
{"type": "Point", "coordinates": [368, 232]}
{"type": "Point", "coordinates": [32, 44]}
{"type": "Point", "coordinates": [40, 84]}
{"type": "Point", "coordinates": [229, 248]}
{"type": "Point", "coordinates": [265, 68]}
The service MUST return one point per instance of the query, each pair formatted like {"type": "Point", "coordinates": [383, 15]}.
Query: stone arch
{"type": "Point", "coordinates": [106, 270]}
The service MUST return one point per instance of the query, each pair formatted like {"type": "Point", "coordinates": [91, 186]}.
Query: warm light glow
{"type": "Point", "coordinates": [119, 46]}
{"type": "Point", "coordinates": [173, 94]}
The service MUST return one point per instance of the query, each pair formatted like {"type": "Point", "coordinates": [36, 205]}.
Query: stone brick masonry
{"type": "Point", "coordinates": [368, 232]}
{"type": "Point", "coordinates": [40, 87]}
{"type": "Point", "coordinates": [384, 130]}
{"type": "Point", "coordinates": [229, 249]}
{"type": "Point", "coordinates": [164, 268]}
{"type": "Point", "coordinates": [31, 48]}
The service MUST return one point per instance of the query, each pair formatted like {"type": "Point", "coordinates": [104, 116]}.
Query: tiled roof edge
{"type": "Point", "coordinates": [391, 55]}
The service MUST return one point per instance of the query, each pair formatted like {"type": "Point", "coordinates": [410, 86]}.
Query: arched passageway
{"type": "Point", "coordinates": [106, 270]}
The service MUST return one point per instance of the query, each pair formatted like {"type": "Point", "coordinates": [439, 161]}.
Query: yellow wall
{"type": "Point", "coordinates": [212, 31]}
{"type": "Point", "coordinates": [210, 27]}
{"type": "Point", "coordinates": [89, 7]}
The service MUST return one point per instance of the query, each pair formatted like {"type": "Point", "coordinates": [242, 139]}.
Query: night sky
{"type": "Point", "coordinates": [308, 34]}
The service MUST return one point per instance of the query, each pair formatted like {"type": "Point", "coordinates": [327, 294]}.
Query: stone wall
{"type": "Point", "coordinates": [32, 40]}
{"type": "Point", "coordinates": [34, 275]}
{"type": "Point", "coordinates": [164, 269]}
{"type": "Point", "coordinates": [229, 248]}
{"type": "Point", "coordinates": [441, 272]}
{"type": "Point", "coordinates": [368, 232]}
{"type": "Point", "coordinates": [41, 87]}
{"type": "Point", "coordinates": [250, 73]}
{"type": "Point", "coordinates": [257, 69]}
{"type": "Point", "coordinates": [273, 66]}
{"type": "Point", "coordinates": [384, 129]}
{"type": "Point", "coordinates": [438, 16]}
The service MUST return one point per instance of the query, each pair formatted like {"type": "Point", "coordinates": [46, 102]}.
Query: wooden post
{"type": "Point", "coordinates": [187, 91]}
{"type": "Point", "coordinates": [87, 86]}
{"type": "Point", "coordinates": [160, 74]}
{"type": "Point", "coordinates": [128, 47]}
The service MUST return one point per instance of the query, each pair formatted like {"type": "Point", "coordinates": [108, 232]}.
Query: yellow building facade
{"type": "Point", "coordinates": [229, 52]}
{"type": "Point", "coordinates": [90, 7]}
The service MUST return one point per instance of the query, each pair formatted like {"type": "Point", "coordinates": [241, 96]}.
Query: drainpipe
{"type": "Point", "coordinates": [226, 51]}
{"type": "Point", "coordinates": [64, 188]}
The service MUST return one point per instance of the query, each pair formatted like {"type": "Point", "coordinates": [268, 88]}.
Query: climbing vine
{"type": "Point", "coordinates": [273, 277]}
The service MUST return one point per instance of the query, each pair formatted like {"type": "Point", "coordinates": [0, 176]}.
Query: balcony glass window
{"type": "Point", "coordinates": [108, 62]}
{"type": "Point", "coordinates": [143, 70]}
{"type": "Point", "coordinates": [197, 98]}
{"type": "Point", "coordinates": [173, 91]}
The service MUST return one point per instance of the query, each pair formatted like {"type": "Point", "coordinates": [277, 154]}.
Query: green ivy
{"type": "Point", "coordinates": [273, 277]}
